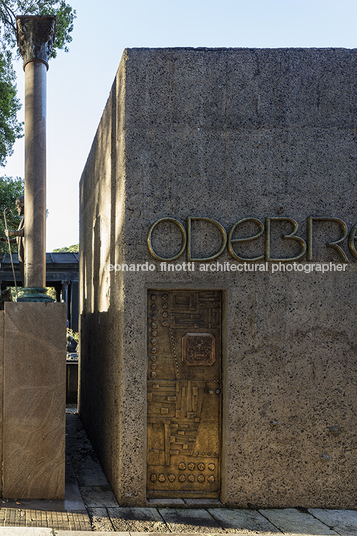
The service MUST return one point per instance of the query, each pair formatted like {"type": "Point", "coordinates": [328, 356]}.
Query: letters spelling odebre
{"type": "Point", "coordinates": [305, 247]}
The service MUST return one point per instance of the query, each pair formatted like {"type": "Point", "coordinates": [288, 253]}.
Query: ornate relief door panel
{"type": "Point", "coordinates": [184, 393]}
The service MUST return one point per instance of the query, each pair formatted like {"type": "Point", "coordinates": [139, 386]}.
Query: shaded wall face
{"type": "Point", "coordinates": [229, 134]}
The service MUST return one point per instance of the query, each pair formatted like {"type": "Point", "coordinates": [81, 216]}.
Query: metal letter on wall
{"type": "Point", "coordinates": [184, 393]}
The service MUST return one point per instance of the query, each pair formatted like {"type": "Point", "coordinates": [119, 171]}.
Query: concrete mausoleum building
{"type": "Point", "coordinates": [218, 276]}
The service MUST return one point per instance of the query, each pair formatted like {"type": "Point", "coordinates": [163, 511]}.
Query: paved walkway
{"type": "Point", "coordinates": [90, 505]}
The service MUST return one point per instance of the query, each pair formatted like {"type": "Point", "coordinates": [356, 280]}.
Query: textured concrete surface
{"type": "Point", "coordinates": [30, 531]}
{"type": "Point", "coordinates": [100, 520]}
{"type": "Point", "coordinates": [137, 520]}
{"type": "Point", "coordinates": [343, 522]}
{"type": "Point", "coordinates": [228, 134]}
{"type": "Point", "coordinates": [92, 485]}
{"type": "Point", "coordinates": [183, 520]}
{"type": "Point", "coordinates": [291, 521]}
{"type": "Point", "coordinates": [34, 401]}
{"type": "Point", "coordinates": [61, 518]}
{"type": "Point", "coordinates": [246, 520]}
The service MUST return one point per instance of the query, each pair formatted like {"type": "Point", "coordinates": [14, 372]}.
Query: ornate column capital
{"type": "Point", "coordinates": [35, 36]}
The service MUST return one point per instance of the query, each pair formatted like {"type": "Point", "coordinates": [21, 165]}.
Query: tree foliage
{"type": "Point", "coordinates": [64, 13]}
{"type": "Point", "coordinates": [10, 190]}
{"type": "Point", "coordinates": [68, 249]}
{"type": "Point", "coordinates": [10, 128]}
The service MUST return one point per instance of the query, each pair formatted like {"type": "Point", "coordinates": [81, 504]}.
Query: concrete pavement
{"type": "Point", "coordinates": [90, 505]}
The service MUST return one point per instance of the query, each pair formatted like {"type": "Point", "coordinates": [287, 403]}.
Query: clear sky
{"type": "Point", "coordinates": [79, 82]}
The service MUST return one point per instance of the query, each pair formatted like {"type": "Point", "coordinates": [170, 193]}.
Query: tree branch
{"type": "Point", "coordinates": [7, 12]}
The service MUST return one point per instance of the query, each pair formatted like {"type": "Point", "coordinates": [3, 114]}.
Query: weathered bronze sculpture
{"type": "Point", "coordinates": [19, 234]}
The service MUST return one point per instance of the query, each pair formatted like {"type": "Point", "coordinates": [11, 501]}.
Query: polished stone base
{"type": "Point", "coordinates": [34, 391]}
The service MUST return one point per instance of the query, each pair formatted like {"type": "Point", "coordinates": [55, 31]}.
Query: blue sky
{"type": "Point", "coordinates": [79, 82]}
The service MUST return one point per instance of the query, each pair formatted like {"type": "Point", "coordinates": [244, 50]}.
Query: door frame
{"type": "Point", "coordinates": [224, 374]}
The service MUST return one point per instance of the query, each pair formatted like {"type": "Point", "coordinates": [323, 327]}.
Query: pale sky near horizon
{"type": "Point", "coordinates": [79, 82]}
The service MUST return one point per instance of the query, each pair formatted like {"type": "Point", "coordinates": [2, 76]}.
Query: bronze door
{"type": "Point", "coordinates": [184, 393]}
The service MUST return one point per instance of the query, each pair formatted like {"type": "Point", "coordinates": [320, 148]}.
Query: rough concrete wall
{"type": "Point", "coordinates": [101, 298]}
{"type": "Point", "coordinates": [229, 134]}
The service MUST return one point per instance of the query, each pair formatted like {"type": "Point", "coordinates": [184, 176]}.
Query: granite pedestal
{"type": "Point", "coordinates": [33, 397]}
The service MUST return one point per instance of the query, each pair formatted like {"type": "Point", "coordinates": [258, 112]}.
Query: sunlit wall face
{"type": "Point", "coordinates": [252, 149]}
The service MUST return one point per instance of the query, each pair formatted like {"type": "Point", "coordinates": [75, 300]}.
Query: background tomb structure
{"type": "Point", "coordinates": [238, 385]}
{"type": "Point", "coordinates": [61, 274]}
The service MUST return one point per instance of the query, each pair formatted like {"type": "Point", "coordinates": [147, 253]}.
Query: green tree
{"type": "Point", "coordinates": [68, 249]}
{"type": "Point", "coordinates": [10, 190]}
{"type": "Point", "coordinates": [10, 128]}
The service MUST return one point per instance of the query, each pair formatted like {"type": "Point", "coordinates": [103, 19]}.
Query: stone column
{"type": "Point", "coordinates": [35, 37]}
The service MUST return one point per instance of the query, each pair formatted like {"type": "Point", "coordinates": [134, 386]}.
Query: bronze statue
{"type": "Point", "coordinates": [19, 234]}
